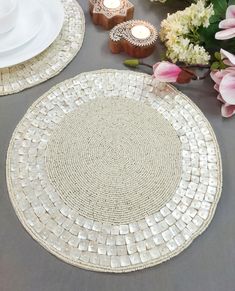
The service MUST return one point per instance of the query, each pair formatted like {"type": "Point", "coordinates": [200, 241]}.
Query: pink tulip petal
{"type": "Point", "coordinates": [228, 55]}
{"type": "Point", "coordinates": [219, 97]}
{"type": "Point", "coordinates": [227, 88]}
{"type": "Point", "coordinates": [225, 34]}
{"type": "Point", "coordinates": [155, 66]}
{"type": "Point", "coordinates": [230, 13]}
{"type": "Point", "coordinates": [227, 110]}
{"type": "Point", "coordinates": [216, 87]}
{"type": "Point", "coordinates": [216, 76]}
{"type": "Point", "coordinates": [227, 62]}
{"type": "Point", "coordinates": [229, 70]}
{"type": "Point", "coordinates": [167, 72]}
{"type": "Point", "coordinates": [227, 23]}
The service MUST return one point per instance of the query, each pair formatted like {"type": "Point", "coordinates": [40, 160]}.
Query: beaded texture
{"type": "Point", "coordinates": [58, 146]}
{"type": "Point", "coordinates": [53, 60]}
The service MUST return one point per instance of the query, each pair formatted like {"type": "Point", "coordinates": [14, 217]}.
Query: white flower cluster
{"type": "Point", "coordinates": [176, 28]}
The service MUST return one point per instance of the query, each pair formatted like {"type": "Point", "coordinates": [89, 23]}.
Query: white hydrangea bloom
{"type": "Point", "coordinates": [176, 28]}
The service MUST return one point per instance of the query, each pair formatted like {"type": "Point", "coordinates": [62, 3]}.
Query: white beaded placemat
{"type": "Point", "coordinates": [112, 171]}
{"type": "Point", "coordinates": [53, 60]}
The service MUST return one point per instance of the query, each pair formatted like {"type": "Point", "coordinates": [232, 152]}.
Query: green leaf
{"type": "Point", "coordinates": [228, 45]}
{"type": "Point", "coordinates": [217, 56]}
{"type": "Point", "coordinates": [207, 37]}
{"type": "Point", "coordinates": [131, 63]}
{"type": "Point", "coordinates": [220, 7]}
{"type": "Point", "coordinates": [215, 66]}
{"type": "Point", "coordinates": [215, 18]}
{"type": "Point", "coordinates": [223, 66]}
{"type": "Point", "coordinates": [231, 2]}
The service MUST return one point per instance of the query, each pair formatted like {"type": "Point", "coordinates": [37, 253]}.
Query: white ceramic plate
{"type": "Point", "coordinates": [53, 18]}
{"type": "Point", "coordinates": [28, 24]}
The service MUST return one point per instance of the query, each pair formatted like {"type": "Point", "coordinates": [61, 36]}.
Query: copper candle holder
{"type": "Point", "coordinates": [109, 13]}
{"type": "Point", "coordinates": [135, 37]}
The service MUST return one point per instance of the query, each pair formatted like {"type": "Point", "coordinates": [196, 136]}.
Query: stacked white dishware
{"type": "Point", "coordinates": [27, 28]}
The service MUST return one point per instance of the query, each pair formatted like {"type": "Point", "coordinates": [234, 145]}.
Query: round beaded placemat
{"type": "Point", "coordinates": [112, 171]}
{"type": "Point", "coordinates": [53, 60]}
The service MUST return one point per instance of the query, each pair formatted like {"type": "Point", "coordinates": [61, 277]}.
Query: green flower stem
{"type": "Point", "coordinates": [134, 63]}
{"type": "Point", "coordinates": [146, 65]}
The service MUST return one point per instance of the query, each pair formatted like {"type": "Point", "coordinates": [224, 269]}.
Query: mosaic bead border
{"type": "Point", "coordinates": [53, 60]}
{"type": "Point", "coordinates": [101, 246]}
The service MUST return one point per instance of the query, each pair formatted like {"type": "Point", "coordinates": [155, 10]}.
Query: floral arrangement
{"type": "Point", "coordinates": [180, 34]}
{"type": "Point", "coordinates": [200, 36]}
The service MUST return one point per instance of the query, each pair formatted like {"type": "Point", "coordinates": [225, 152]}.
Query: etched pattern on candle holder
{"type": "Point", "coordinates": [122, 39]}
{"type": "Point", "coordinates": [109, 17]}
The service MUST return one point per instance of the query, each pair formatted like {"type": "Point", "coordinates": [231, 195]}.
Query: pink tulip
{"type": "Point", "coordinates": [225, 85]}
{"type": "Point", "coordinates": [171, 73]}
{"type": "Point", "coordinates": [227, 110]}
{"type": "Point", "coordinates": [228, 25]}
{"type": "Point", "coordinates": [228, 58]}
{"type": "Point", "coordinates": [166, 72]}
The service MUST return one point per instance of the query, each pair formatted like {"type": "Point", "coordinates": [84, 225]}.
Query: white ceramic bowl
{"type": "Point", "coordinates": [8, 14]}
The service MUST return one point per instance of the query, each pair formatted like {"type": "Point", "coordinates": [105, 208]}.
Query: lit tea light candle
{"type": "Point", "coordinates": [141, 31]}
{"type": "Point", "coordinates": [112, 4]}
{"type": "Point", "coordinates": [135, 37]}
{"type": "Point", "coordinates": [109, 13]}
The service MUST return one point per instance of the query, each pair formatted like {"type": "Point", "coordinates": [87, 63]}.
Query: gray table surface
{"type": "Point", "coordinates": [207, 265]}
